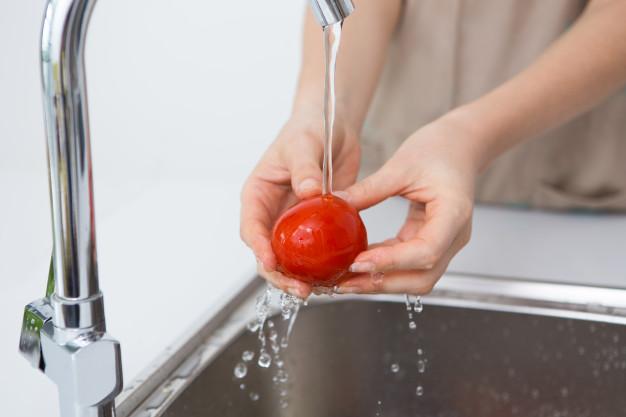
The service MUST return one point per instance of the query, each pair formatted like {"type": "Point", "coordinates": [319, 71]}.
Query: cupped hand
{"type": "Point", "coordinates": [435, 170]}
{"type": "Point", "coordinates": [289, 171]}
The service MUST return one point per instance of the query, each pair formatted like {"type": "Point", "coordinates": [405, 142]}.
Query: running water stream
{"type": "Point", "coordinates": [332, 39]}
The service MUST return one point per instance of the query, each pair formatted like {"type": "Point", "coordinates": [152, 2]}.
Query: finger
{"type": "Point", "coordinates": [373, 189]}
{"type": "Point", "coordinates": [256, 222]}
{"type": "Point", "coordinates": [400, 282]}
{"type": "Point", "coordinates": [419, 282]}
{"type": "Point", "coordinates": [423, 251]}
{"type": "Point", "coordinates": [289, 285]}
{"type": "Point", "coordinates": [305, 170]}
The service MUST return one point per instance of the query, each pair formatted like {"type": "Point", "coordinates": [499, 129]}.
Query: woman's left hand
{"type": "Point", "coordinates": [435, 169]}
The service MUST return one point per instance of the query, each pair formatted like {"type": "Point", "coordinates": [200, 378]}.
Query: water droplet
{"type": "Point", "coordinates": [421, 366]}
{"type": "Point", "coordinates": [242, 386]}
{"type": "Point", "coordinates": [407, 301]}
{"type": "Point", "coordinates": [379, 402]}
{"type": "Point", "coordinates": [284, 343]}
{"type": "Point", "coordinates": [265, 360]}
{"type": "Point", "coordinates": [412, 325]}
{"type": "Point", "coordinates": [418, 307]}
{"type": "Point", "coordinates": [247, 355]}
{"type": "Point", "coordinates": [270, 324]}
{"type": "Point", "coordinates": [253, 326]}
{"type": "Point", "coordinates": [288, 303]}
{"type": "Point", "coordinates": [419, 391]}
{"type": "Point", "coordinates": [284, 393]}
{"type": "Point", "coordinates": [280, 363]}
{"type": "Point", "coordinates": [420, 352]}
{"type": "Point", "coordinates": [273, 334]}
{"type": "Point", "coordinates": [395, 367]}
{"type": "Point", "coordinates": [282, 376]}
{"type": "Point", "coordinates": [240, 370]}
{"type": "Point", "coordinates": [254, 396]}
{"type": "Point", "coordinates": [283, 403]}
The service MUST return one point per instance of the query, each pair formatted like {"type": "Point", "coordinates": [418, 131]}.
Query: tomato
{"type": "Point", "coordinates": [316, 240]}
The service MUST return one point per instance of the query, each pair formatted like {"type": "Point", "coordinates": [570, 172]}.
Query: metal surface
{"type": "Point", "coordinates": [495, 347]}
{"type": "Point", "coordinates": [67, 339]}
{"type": "Point", "coordinates": [328, 12]}
{"type": "Point", "coordinates": [36, 315]}
{"type": "Point", "coordinates": [479, 363]}
{"type": "Point", "coordinates": [87, 368]}
{"type": "Point", "coordinates": [77, 300]}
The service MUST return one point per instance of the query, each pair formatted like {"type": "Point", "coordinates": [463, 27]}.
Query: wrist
{"type": "Point", "coordinates": [474, 136]}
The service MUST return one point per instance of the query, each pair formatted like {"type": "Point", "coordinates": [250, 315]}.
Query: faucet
{"type": "Point", "coordinates": [329, 12]}
{"type": "Point", "coordinates": [64, 333]}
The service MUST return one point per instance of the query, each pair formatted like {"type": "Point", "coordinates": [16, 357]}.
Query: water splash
{"type": "Point", "coordinates": [273, 340]}
{"type": "Point", "coordinates": [413, 305]}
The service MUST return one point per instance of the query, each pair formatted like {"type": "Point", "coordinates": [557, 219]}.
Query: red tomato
{"type": "Point", "coordinates": [316, 240]}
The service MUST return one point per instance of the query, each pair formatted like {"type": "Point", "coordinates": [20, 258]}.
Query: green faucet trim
{"type": "Point", "coordinates": [50, 285]}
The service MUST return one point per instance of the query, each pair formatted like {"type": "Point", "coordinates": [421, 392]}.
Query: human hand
{"type": "Point", "coordinates": [435, 169]}
{"type": "Point", "coordinates": [289, 171]}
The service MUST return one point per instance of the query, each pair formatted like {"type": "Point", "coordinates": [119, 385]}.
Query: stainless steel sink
{"type": "Point", "coordinates": [492, 348]}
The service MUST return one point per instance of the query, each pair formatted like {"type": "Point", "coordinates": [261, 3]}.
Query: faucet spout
{"type": "Point", "coordinates": [77, 300]}
{"type": "Point", "coordinates": [329, 12]}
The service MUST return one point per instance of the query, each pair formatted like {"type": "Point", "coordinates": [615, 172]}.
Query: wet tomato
{"type": "Point", "coordinates": [316, 240]}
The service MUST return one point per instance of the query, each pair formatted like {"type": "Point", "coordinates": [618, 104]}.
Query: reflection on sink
{"type": "Point", "coordinates": [480, 363]}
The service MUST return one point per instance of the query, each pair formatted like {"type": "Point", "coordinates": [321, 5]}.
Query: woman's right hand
{"type": "Point", "coordinates": [289, 171]}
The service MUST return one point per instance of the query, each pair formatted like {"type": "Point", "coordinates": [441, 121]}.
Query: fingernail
{"type": "Point", "coordinates": [362, 267]}
{"type": "Point", "coordinates": [347, 290]}
{"type": "Point", "coordinates": [342, 194]}
{"type": "Point", "coordinates": [308, 185]}
{"type": "Point", "coordinates": [294, 291]}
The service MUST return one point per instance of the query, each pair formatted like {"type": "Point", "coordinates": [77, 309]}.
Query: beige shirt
{"type": "Point", "coordinates": [449, 52]}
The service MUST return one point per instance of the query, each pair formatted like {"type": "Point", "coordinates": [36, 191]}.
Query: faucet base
{"type": "Point", "coordinates": [86, 366]}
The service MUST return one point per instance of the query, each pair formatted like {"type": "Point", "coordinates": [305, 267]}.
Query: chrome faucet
{"type": "Point", "coordinates": [64, 333]}
{"type": "Point", "coordinates": [329, 12]}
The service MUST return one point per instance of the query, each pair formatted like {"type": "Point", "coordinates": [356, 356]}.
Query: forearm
{"type": "Point", "coordinates": [580, 69]}
{"type": "Point", "coordinates": [366, 34]}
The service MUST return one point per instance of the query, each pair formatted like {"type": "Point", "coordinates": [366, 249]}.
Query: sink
{"type": "Point", "coordinates": [508, 351]}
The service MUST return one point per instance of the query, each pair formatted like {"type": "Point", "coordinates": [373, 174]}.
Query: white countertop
{"type": "Point", "coordinates": [175, 130]}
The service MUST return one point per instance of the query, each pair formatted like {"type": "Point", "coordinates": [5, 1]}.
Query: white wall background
{"type": "Point", "coordinates": [184, 97]}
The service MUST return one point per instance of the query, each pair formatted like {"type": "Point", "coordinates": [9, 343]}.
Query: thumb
{"type": "Point", "coordinates": [306, 174]}
{"type": "Point", "coordinates": [373, 189]}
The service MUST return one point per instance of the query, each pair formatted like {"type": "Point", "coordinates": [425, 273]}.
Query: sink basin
{"type": "Point", "coordinates": [487, 356]}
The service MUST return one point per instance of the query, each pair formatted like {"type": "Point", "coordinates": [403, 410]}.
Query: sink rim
{"type": "Point", "coordinates": [170, 373]}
